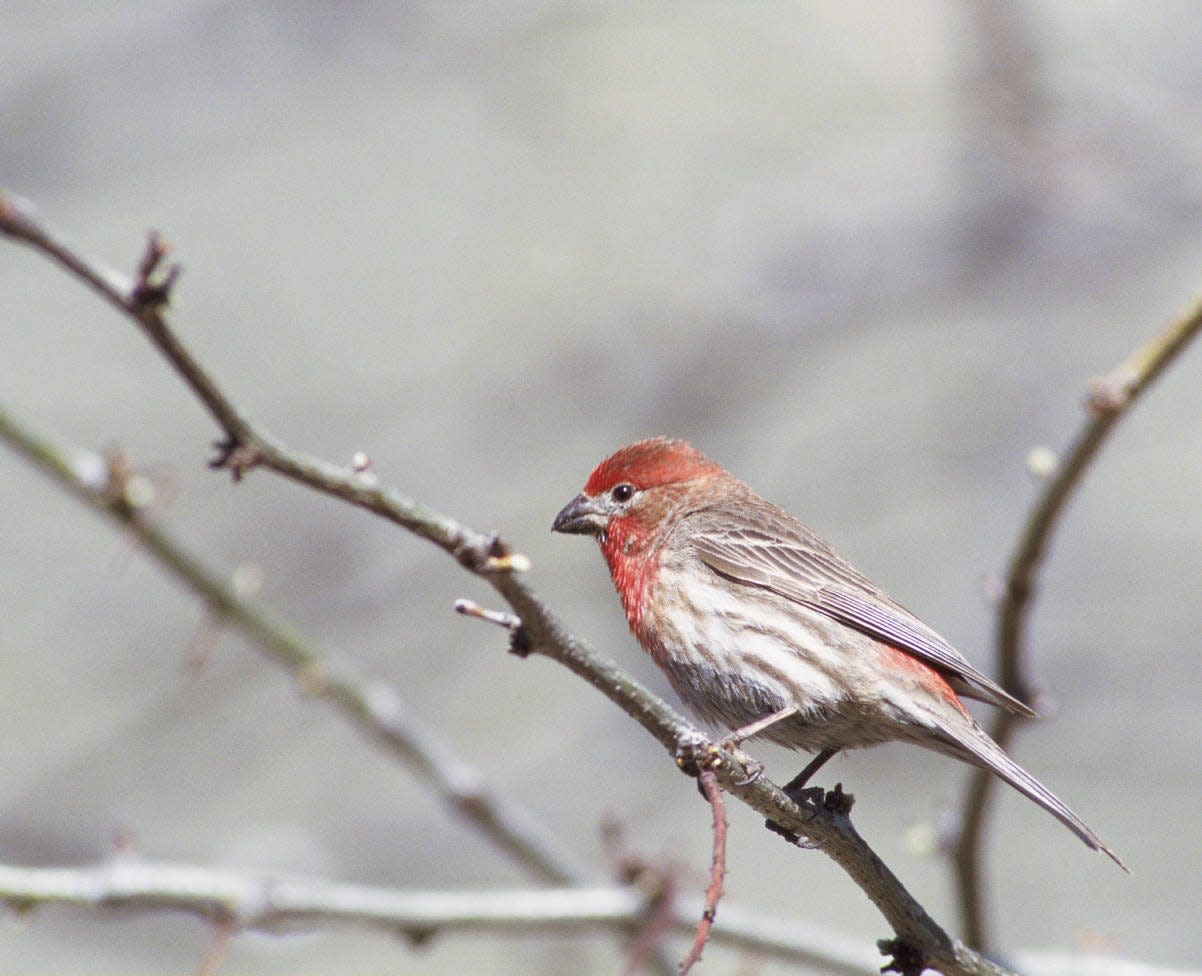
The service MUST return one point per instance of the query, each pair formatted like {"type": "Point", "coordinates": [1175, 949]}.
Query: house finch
{"type": "Point", "coordinates": [763, 628]}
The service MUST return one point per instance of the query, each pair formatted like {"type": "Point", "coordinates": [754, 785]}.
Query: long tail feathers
{"type": "Point", "coordinates": [981, 750]}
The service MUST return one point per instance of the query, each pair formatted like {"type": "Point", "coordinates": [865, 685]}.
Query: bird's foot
{"type": "Point", "coordinates": [753, 769]}
{"type": "Point", "coordinates": [792, 836]}
{"type": "Point", "coordinates": [833, 801]}
{"type": "Point", "coordinates": [836, 801]}
{"type": "Point", "coordinates": [740, 735]}
{"type": "Point", "coordinates": [696, 755]}
{"type": "Point", "coordinates": [806, 796]}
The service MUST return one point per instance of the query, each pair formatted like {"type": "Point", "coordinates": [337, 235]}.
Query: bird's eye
{"type": "Point", "coordinates": [622, 492]}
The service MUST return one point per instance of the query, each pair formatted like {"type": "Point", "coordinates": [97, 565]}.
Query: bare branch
{"type": "Point", "coordinates": [487, 556]}
{"type": "Point", "coordinates": [376, 707]}
{"type": "Point", "coordinates": [219, 945]}
{"type": "Point", "coordinates": [242, 901]}
{"type": "Point", "coordinates": [1109, 399]}
{"type": "Point", "coordinates": [713, 792]}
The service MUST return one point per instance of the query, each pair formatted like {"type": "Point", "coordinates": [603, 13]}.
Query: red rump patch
{"type": "Point", "coordinates": [925, 676]}
{"type": "Point", "coordinates": [645, 464]}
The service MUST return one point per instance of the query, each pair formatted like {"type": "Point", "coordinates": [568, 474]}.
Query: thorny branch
{"type": "Point", "coordinates": [713, 793]}
{"type": "Point", "coordinates": [1109, 399]}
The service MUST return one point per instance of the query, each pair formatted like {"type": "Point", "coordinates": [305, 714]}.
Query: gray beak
{"type": "Point", "coordinates": [581, 516]}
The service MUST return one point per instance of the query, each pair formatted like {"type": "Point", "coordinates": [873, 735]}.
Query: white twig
{"type": "Point", "coordinates": [245, 900]}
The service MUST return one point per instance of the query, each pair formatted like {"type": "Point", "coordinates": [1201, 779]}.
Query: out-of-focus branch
{"type": "Point", "coordinates": [376, 707]}
{"type": "Point", "coordinates": [1003, 114]}
{"type": "Point", "coordinates": [920, 942]}
{"type": "Point", "coordinates": [248, 901]}
{"type": "Point", "coordinates": [1109, 399]}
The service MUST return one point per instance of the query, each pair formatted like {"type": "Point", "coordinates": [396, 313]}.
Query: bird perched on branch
{"type": "Point", "coordinates": [763, 628]}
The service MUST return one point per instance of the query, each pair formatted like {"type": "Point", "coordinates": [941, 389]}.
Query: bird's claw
{"type": "Point", "coordinates": [833, 800]}
{"type": "Point", "coordinates": [694, 756]}
{"type": "Point", "coordinates": [753, 769]}
{"type": "Point", "coordinates": [836, 801]}
{"type": "Point", "coordinates": [807, 796]}
{"type": "Point", "coordinates": [792, 836]}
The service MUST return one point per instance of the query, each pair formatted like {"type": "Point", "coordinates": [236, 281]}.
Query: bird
{"type": "Point", "coordinates": [762, 628]}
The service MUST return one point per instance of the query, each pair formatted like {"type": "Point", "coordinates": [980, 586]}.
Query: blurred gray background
{"type": "Point", "coordinates": [865, 255]}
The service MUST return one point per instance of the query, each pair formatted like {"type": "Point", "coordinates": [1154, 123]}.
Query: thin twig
{"type": "Point", "coordinates": [224, 931]}
{"type": "Point", "coordinates": [469, 608]}
{"type": "Point", "coordinates": [246, 446]}
{"type": "Point", "coordinates": [645, 948]}
{"type": "Point", "coordinates": [713, 893]}
{"type": "Point", "coordinates": [1110, 398]}
{"type": "Point", "coordinates": [657, 880]}
{"type": "Point", "coordinates": [376, 707]}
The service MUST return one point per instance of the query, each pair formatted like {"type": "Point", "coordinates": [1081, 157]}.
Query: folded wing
{"type": "Point", "coordinates": [792, 562]}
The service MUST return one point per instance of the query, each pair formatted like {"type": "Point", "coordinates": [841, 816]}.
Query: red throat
{"type": "Point", "coordinates": [626, 546]}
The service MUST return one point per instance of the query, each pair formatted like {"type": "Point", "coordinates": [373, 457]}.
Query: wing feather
{"type": "Point", "coordinates": [796, 564]}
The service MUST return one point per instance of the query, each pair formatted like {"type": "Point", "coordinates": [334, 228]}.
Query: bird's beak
{"type": "Point", "coordinates": [581, 516]}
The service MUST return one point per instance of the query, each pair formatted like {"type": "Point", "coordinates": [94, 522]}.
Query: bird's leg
{"type": "Point", "coordinates": [836, 801]}
{"type": "Point", "coordinates": [741, 735]}
{"type": "Point", "coordinates": [793, 788]}
{"type": "Point", "coordinates": [732, 741]}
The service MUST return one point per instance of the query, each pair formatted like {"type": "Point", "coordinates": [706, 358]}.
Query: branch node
{"type": "Point", "coordinates": [126, 490]}
{"type": "Point", "coordinates": [471, 800]}
{"type": "Point", "coordinates": [1110, 394]}
{"type": "Point", "coordinates": [513, 562]}
{"type": "Point", "coordinates": [695, 756]}
{"type": "Point", "coordinates": [233, 454]}
{"type": "Point", "coordinates": [418, 937]}
{"type": "Point", "coordinates": [364, 468]}
{"type": "Point", "coordinates": [14, 210]}
{"type": "Point", "coordinates": [151, 289]}
{"type": "Point", "coordinates": [493, 555]}
{"type": "Point", "coordinates": [906, 958]}
{"type": "Point", "coordinates": [520, 643]}
{"type": "Point", "coordinates": [1042, 462]}
{"type": "Point", "coordinates": [496, 557]}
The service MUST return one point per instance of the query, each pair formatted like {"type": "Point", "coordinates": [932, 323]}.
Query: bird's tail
{"type": "Point", "coordinates": [980, 750]}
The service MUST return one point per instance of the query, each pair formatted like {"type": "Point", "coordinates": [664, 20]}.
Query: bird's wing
{"type": "Point", "coordinates": [797, 565]}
